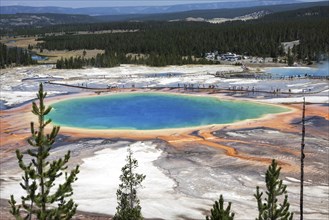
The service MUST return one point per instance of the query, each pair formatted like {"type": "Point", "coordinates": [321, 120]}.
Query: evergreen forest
{"type": "Point", "coordinates": [14, 56]}
{"type": "Point", "coordinates": [167, 43]}
{"type": "Point", "coordinates": [160, 43]}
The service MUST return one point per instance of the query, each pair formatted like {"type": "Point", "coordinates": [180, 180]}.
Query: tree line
{"type": "Point", "coordinates": [46, 200]}
{"type": "Point", "coordinates": [10, 56]}
{"type": "Point", "coordinates": [115, 59]}
{"type": "Point", "coordinates": [178, 43]}
{"type": "Point", "coordinates": [177, 40]}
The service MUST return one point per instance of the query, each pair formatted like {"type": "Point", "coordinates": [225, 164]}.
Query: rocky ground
{"type": "Point", "coordinates": [185, 172]}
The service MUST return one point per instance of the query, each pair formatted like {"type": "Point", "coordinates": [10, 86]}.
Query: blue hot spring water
{"type": "Point", "coordinates": [149, 111]}
{"type": "Point", "coordinates": [320, 70]}
{"type": "Point", "coordinates": [39, 58]}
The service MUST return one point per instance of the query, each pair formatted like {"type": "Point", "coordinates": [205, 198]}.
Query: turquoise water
{"type": "Point", "coordinates": [321, 70]}
{"type": "Point", "coordinates": [38, 58]}
{"type": "Point", "coordinates": [141, 111]}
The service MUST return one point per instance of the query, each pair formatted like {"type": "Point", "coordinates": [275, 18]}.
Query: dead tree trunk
{"type": "Point", "coordinates": [302, 156]}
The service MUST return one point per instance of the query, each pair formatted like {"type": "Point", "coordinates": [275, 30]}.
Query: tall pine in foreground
{"type": "Point", "coordinates": [270, 209]}
{"type": "Point", "coordinates": [218, 212]}
{"type": "Point", "coordinates": [128, 204]}
{"type": "Point", "coordinates": [45, 198]}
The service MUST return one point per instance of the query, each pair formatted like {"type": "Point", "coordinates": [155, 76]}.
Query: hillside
{"type": "Point", "coordinates": [211, 13]}
{"type": "Point", "coordinates": [143, 9]}
{"type": "Point", "coordinates": [40, 20]}
{"type": "Point", "coordinates": [317, 12]}
{"type": "Point", "coordinates": [26, 20]}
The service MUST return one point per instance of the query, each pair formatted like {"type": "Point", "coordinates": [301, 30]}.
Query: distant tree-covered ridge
{"type": "Point", "coordinates": [28, 20]}
{"type": "Point", "coordinates": [68, 22]}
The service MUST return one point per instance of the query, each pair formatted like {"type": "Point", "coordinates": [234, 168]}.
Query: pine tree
{"type": "Point", "coordinates": [219, 213]}
{"type": "Point", "coordinates": [40, 176]}
{"type": "Point", "coordinates": [270, 210]}
{"type": "Point", "coordinates": [128, 204]}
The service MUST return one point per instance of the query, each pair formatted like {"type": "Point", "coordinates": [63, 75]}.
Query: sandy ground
{"type": "Point", "coordinates": [55, 55]}
{"type": "Point", "coordinates": [22, 42]}
{"type": "Point", "coordinates": [186, 169]}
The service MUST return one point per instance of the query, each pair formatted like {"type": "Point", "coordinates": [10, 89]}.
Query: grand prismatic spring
{"type": "Point", "coordinates": [154, 111]}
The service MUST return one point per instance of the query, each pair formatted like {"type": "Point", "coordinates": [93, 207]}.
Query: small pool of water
{"type": "Point", "coordinates": [149, 111]}
{"type": "Point", "coordinates": [39, 58]}
{"type": "Point", "coordinates": [2, 105]}
{"type": "Point", "coordinates": [321, 70]}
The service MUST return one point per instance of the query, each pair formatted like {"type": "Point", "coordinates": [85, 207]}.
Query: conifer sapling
{"type": "Point", "coordinates": [218, 212]}
{"type": "Point", "coordinates": [270, 209]}
{"type": "Point", "coordinates": [128, 203]}
{"type": "Point", "coordinates": [45, 198]}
